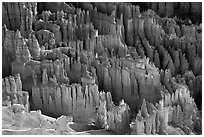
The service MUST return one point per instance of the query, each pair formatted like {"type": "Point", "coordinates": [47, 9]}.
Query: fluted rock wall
{"type": "Point", "coordinates": [174, 57]}
{"type": "Point", "coordinates": [66, 55]}
{"type": "Point", "coordinates": [36, 68]}
{"type": "Point", "coordinates": [177, 60]}
{"type": "Point", "coordinates": [17, 50]}
{"type": "Point", "coordinates": [181, 43]}
{"type": "Point", "coordinates": [129, 81]}
{"type": "Point", "coordinates": [120, 77]}
{"type": "Point", "coordinates": [64, 27]}
{"type": "Point", "coordinates": [111, 117]}
{"type": "Point", "coordinates": [180, 9]}
{"type": "Point", "coordinates": [84, 103]}
{"type": "Point", "coordinates": [192, 10]}
{"type": "Point", "coordinates": [12, 92]}
{"type": "Point", "coordinates": [174, 109]}
{"type": "Point", "coordinates": [57, 99]}
{"type": "Point", "coordinates": [19, 15]}
{"type": "Point", "coordinates": [54, 7]}
{"type": "Point", "coordinates": [149, 34]}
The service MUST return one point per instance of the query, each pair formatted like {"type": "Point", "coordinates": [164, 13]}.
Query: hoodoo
{"type": "Point", "coordinates": [102, 68]}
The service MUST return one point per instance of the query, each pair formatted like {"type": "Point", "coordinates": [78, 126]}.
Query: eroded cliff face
{"type": "Point", "coordinates": [13, 94]}
{"type": "Point", "coordinates": [56, 99]}
{"type": "Point", "coordinates": [105, 63]}
{"type": "Point", "coordinates": [126, 79]}
{"type": "Point", "coordinates": [177, 110]}
{"type": "Point", "coordinates": [85, 103]}
{"type": "Point", "coordinates": [113, 118]}
{"type": "Point", "coordinates": [19, 16]}
{"type": "Point", "coordinates": [192, 10]}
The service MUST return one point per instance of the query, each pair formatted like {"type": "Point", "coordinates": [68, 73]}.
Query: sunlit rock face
{"type": "Point", "coordinates": [178, 109]}
{"type": "Point", "coordinates": [127, 68]}
{"type": "Point", "coordinates": [85, 103]}
{"type": "Point", "coordinates": [111, 117]}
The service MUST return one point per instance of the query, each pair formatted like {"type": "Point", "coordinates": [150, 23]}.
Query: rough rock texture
{"type": "Point", "coordinates": [192, 10]}
{"type": "Point", "coordinates": [178, 110]}
{"type": "Point", "coordinates": [69, 69]}
{"type": "Point", "coordinates": [180, 41]}
{"type": "Point", "coordinates": [84, 103]}
{"type": "Point", "coordinates": [130, 82]}
{"type": "Point", "coordinates": [180, 9]}
{"type": "Point", "coordinates": [145, 25]}
{"type": "Point", "coordinates": [17, 50]}
{"type": "Point", "coordinates": [105, 61]}
{"type": "Point", "coordinates": [111, 117]}
{"type": "Point", "coordinates": [12, 92]}
{"type": "Point", "coordinates": [19, 15]}
{"type": "Point", "coordinates": [57, 99]}
{"type": "Point", "coordinates": [35, 123]}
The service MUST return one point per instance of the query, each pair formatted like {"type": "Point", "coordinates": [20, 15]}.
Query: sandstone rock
{"type": "Point", "coordinates": [118, 84]}
{"type": "Point", "coordinates": [44, 77]}
{"type": "Point", "coordinates": [58, 6]}
{"type": "Point", "coordinates": [130, 32]}
{"type": "Point", "coordinates": [107, 80]}
{"type": "Point", "coordinates": [17, 108]}
{"type": "Point", "coordinates": [197, 65]}
{"type": "Point", "coordinates": [16, 11]}
{"type": "Point", "coordinates": [148, 49]}
{"type": "Point", "coordinates": [125, 73]}
{"type": "Point", "coordinates": [169, 7]}
{"type": "Point", "coordinates": [13, 85]}
{"type": "Point", "coordinates": [102, 115]}
{"type": "Point", "coordinates": [121, 115]}
{"type": "Point", "coordinates": [34, 46]}
{"type": "Point", "coordinates": [141, 28]}
{"type": "Point", "coordinates": [45, 36]}
{"type": "Point", "coordinates": [12, 92]}
{"type": "Point", "coordinates": [57, 33]}
{"type": "Point", "coordinates": [72, 98]}
{"type": "Point", "coordinates": [137, 126]}
{"type": "Point", "coordinates": [184, 64]}
{"type": "Point", "coordinates": [7, 84]}
{"type": "Point", "coordinates": [115, 46]}
{"type": "Point", "coordinates": [170, 109]}
{"type": "Point", "coordinates": [18, 83]}
{"type": "Point", "coordinates": [176, 60]}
